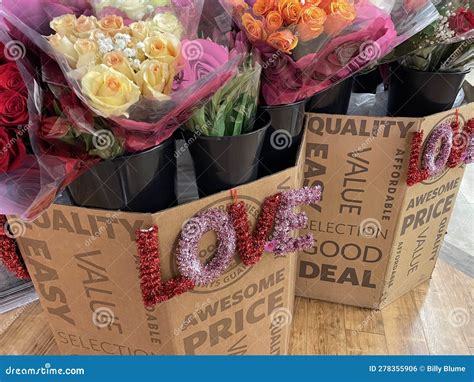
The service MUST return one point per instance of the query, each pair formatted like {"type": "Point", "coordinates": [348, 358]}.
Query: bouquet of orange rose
{"type": "Point", "coordinates": [123, 77]}
{"type": "Point", "coordinates": [306, 46]}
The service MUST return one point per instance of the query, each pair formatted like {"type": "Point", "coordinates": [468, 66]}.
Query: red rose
{"type": "Point", "coordinates": [462, 21]}
{"type": "Point", "coordinates": [12, 151]}
{"type": "Point", "coordinates": [13, 108]}
{"type": "Point", "coordinates": [54, 128]}
{"type": "Point", "coordinates": [10, 78]}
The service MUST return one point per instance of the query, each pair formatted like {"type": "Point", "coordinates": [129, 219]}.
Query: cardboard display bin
{"type": "Point", "coordinates": [376, 237]}
{"type": "Point", "coordinates": [84, 266]}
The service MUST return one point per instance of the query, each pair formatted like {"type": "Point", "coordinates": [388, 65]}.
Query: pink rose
{"type": "Point", "coordinates": [200, 58]}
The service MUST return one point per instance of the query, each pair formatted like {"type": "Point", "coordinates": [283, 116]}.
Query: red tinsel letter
{"type": "Point", "coordinates": [9, 253]}
{"type": "Point", "coordinates": [251, 247]}
{"type": "Point", "coordinates": [415, 175]}
{"type": "Point", "coordinates": [153, 289]}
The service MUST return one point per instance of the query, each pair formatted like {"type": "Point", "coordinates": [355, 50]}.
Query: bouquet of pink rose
{"type": "Point", "coordinates": [306, 47]}
{"type": "Point", "coordinates": [123, 77]}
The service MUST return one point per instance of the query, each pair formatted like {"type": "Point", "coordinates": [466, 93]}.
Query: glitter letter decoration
{"type": "Point", "coordinates": [446, 147]}
{"type": "Point", "coordinates": [233, 230]}
{"type": "Point", "coordinates": [437, 149]}
{"type": "Point", "coordinates": [468, 155]}
{"type": "Point", "coordinates": [189, 263]}
{"type": "Point", "coordinates": [153, 289]}
{"type": "Point", "coordinates": [288, 220]}
{"type": "Point", "coordinates": [9, 254]}
{"type": "Point", "coordinates": [251, 247]}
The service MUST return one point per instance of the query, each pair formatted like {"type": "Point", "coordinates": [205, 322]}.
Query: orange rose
{"type": "Point", "coordinates": [324, 4]}
{"type": "Point", "coordinates": [284, 41]}
{"type": "Point", "coordinates": [273, 21]}
{"type": "Point", "coordinates": [290, 10]}
{"type": "Point", "coordinates": [111, 25]}
{"type": "Point", "coordinates": [262, 7]}
{"type": "Point", "coordinates": [312, 21]}
{"type": "Point", "coordinates": [238, 6]}
{"type": "Point", "coordinates": [341, 14]}
{"type": "Point", "coordinates": [253, 27]}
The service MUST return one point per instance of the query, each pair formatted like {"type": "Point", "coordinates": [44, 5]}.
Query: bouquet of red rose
{"type": "Point", "coordinates": [307, 46]}
{"type": "Point", "coordinates": [455, 24]}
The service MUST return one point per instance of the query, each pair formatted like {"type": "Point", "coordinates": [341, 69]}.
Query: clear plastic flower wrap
{"type": "Point", "coordinates": [306, 46]}
{"type": "Point", "coordinates": [455, 24]}
{"type": "Point", "coordinates": [115, 81]}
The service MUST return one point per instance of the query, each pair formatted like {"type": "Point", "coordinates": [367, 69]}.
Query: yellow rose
{"type": "Point", "coordinates": [65, 47]}
{"type": "Point", "coordinates": [155, 79]}
{"type": "Point", "coordinates": [168, 23]}
{"type": "Point", "coordinates": [164, 47]}
{"type": "Point", "coordinates": [139, 30]}
{"type": "Point", "coordinates": [64, 24]}
{"type": "Point", "coordinates": [111, 25]}
{"type": "Point", "coordinates": [87, 51]}
{"type": "Point", "coordinates": [85, 26]}
{"type": "Point", "coordinates": [110, 92]}
{"type": "Point", "coordinates": [134, 9]}
{"type": "Point", "coordinates": [117, 61]}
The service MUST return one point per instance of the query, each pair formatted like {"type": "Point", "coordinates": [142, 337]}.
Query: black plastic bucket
{"type": "Point", "coordinates": [142, 182]}
{"type": "Point", "coordinates": [413, 93]}
{"type": "Point", "coordinates": [283, 138]}
{"type": "Point", "coordinates": [367, 82]}
{"type": "Point", "coordinates": [334, 100]}
{"type": "Point", "coordinates": [222, 163]}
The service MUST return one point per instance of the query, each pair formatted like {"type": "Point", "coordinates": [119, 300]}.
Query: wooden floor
{"type": "Point", "coordinates": [436, 318]}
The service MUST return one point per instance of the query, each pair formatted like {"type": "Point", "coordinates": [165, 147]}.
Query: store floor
{"type": "Point", "coordinates": [435, 318]}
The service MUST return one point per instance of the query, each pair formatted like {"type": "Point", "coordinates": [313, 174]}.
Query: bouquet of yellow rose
{"type": "Point", "coordinates": [306, 46]}
{"type": "Point", "coordinates": [141, 69]}
{"type": "Point", "coordinates": [115, 81]}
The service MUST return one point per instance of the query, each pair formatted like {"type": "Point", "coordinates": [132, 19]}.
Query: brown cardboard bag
{"type": "Point", "coordinates": [376, 238]}
{"type": "Point", "coordinates": [83, 263]}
